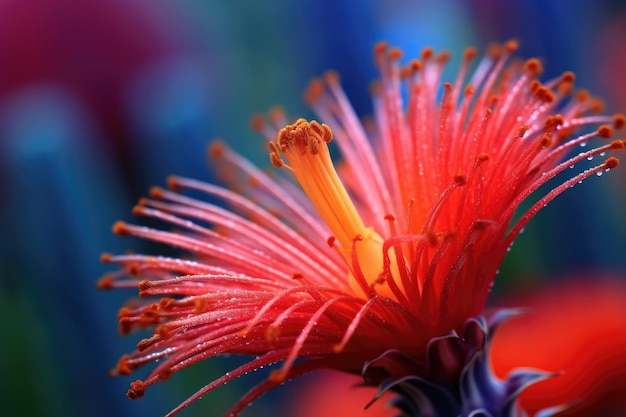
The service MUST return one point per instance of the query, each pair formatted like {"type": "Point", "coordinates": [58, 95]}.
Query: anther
{"type": "Point", "coordinates": [611, 162]}
{"type": "Point", "coordinates": [137, 390]}
{"type": "Point", "coordinates": [470, 53]}
{"type": "Point", "coordinates": [619, 121]}
{"type": "Point", "coordinates": [395, 54]}
{"type": "Point", "coordinates": [216, 147]}
{"type": "Point", "coordinates": [459, 179]}
{"type": "Point", "coordinates": [257, 123]}
{"type": "Point", "coordinates": [533, 67]}
{"type": "Point", "coordinates": [123, 366]}
{"type": "Point", "coordinates": [314, 91]}
{"type": "Point", "coordinates": [511, 45]}
{"type": "Point", "coordinates": [568, 77]}
{"type": "Point", "coordinates": [605, 131]}
{"type": "Point", "coordinates": [106, 282]}
{"type": "Point", "coordinates": [120, 228]}
{"type": "Point", "coordinates": [173, 183]}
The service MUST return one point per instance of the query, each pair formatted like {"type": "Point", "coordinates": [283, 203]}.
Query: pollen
{"type": "Point", "coordinates": [305, 148]}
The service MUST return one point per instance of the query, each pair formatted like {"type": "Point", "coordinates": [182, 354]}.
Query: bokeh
{"type": "Point", "coordinates": [99, 100]}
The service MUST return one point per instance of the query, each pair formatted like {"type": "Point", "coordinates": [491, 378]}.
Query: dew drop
{"type": "Point", "coordinates": [602, 153]}
{"type": "Point", "coordinates": [599, 173]}
{"type": "Point", "coordinates": [583, 144]}
{"type": "Point", "coordinates": [590, 158]}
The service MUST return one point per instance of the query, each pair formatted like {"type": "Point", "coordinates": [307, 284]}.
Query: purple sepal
{"type": "Point", "coordinates": [456, 379]}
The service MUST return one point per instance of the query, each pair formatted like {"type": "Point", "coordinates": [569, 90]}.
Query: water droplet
{"type": "Point", "coordinates": [590, 157]}
{"type": "Point", "coordinates": [602, 153]}
{"type": "Point", "coordinates": [599, 173]}
{"type": "Point", "coordinates": [580, 182]}
{"type": "Point", "coordinates": [571, 166]}
{"type": "Point", "coordinates": [583, 144]}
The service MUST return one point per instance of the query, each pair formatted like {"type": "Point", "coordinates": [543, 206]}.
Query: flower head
{"type": "Point", "coordinates": [379, 265]}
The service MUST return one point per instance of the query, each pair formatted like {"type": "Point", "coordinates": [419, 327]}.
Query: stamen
{"type": "Point", "coordinates": [304, 145]}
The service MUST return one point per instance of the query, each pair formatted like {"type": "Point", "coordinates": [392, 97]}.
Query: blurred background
{"type": "Point", "coordinates": [99, 100]}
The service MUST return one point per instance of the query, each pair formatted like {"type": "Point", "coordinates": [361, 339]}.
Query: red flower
{"type": "Point", "coordinates": [578, 330]}
{"type": "Point", "coordinates": [401, 250]}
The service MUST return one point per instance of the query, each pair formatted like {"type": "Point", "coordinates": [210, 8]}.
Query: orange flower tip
{"type": "Point", "coordinates": [596, 105]}
{"type": "Point", "coordinates": [469, 90]}
{"type": "Point", "coordinates": [144, 344]}
{"type": "Point", "coordinates": [106, 282]}
{"type": "Point", "coordinates": [545, 140]}
{"type": "Point", "coordinates": [605, 131]}
{"type": "Point", "coordinates": [582, 95]}
{"type": "Point", "coordinates": [544, 94]}
{"type": "Point", "coordinates": [443, 57]}
{"type": "Point", "coordinates": [137, 390]}
{"type": "Point", "coordinates": [123, 366]}
{"type": "Point", "coordinates": [395, 54]}
{"type": "Point", "coordinates": [494, 50]}
{"type": "Point", "coordinates": [166, 303]}
{"type": "Point", "coordinates": [459, 179]}
{"type": "Point", "coordinates": [144, 285]}
{"type": "Point", "coordinates": [164, 332]}
{"type": "Point", "coordinates": [390, 217]}
{"type": "Point", "coordinates": [618, 144]}
{"type": "Point", "coordinates": [406, 72]}
{"type": "Point", "coordinates": [533, 67]}
{"type": "Point", "coordinates": [619, 121]}
{"type": "Point", "coordinates": [482, 157]}
{"type": "Point", "coordinates": [427, 53]}
{"type": "Point", "coordinates": [297, 275]}
{"type": "Point", "coordinates": [415, 65]}
{"type": "Point", "coordinates": [106, 258]}
{"type": "Point", "coordinates": [552, 122]}
{"type": "Point", "coordinates": [216, 148]}
{"type": "Point", "coordinates": [123, 312]}
{"type": "Point", "coordinates": [124, 326]}
{"type": "Point", "coordinates": [120, 228]}
{"type": "Point", "coordinates": [331, 77]}
{"type": "Point", "coordinates": [511, 46]}
{"type": "Point", "coordinates": [522, 131]}
{"type": "Point", "coordinates": [611, 162]}
{"type": "Point", "coordinates": [158, 192]}
{"type": "Point", "coordinates": [534, 85]}
{"type": "Point", "coordinates": [173, 183]}
{"type": "Point", "coordinates": [380, 48]}
{"type": "Point", "coordinates": [278, 375]}
{"type": "Point", "coordinates": [133, 269]}
{"type": "Point", "coordinates": [271, 334]}
{"type": "Point", "coordinates": [331, 241]}
{"type": "Point", "coordinates": [568, 77]}
{"type": "Point", "coordinates": [470, 53]}
{"type": "Point", "coordinates": [275, 158]}
{"type": "Point", "coordinates": [447, 86]}
{"type": "Point", "coordinates": [305, 136]}
{"type": "Point", "coordinates": [137, 210]}
{"type": "Point", "coordinates": [314, 91]}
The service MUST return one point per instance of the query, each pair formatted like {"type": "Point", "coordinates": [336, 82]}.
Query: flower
{"type": "Point", "coordinates": [382, 268]}
{"type": "Point", "coordinates": [582, 337]}
{"type": "Point", "coordinates": [586, 346]}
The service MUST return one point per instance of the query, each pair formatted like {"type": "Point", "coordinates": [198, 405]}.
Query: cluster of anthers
{"type": "Point", "coordinates": [379, 258]}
